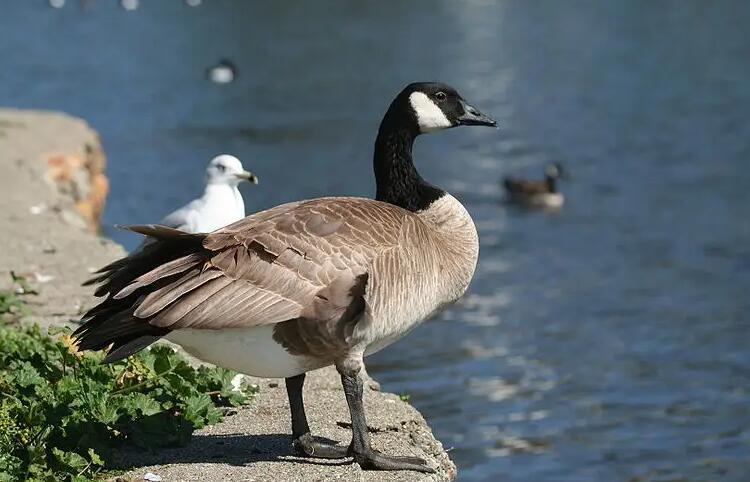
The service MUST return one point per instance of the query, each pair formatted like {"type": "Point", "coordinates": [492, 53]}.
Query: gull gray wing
{"type": "Point", "coordinates": [181, 218]}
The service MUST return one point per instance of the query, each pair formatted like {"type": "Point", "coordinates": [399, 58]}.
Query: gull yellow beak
{"type": "Point", "coordinates": [248, 176]}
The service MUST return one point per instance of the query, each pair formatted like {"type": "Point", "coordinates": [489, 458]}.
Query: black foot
{"type": "Point", "coordinates": [374, 460]}
{"type": "Point", "coordinates": [307, 446]}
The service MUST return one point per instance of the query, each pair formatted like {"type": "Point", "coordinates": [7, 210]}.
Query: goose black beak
{"type": "Point", "coordinates": [472, 117]}
{"type": "Point", "coordinates": [248, 176]}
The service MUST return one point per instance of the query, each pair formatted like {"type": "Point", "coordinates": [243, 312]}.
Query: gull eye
{"type": "Point", "coordinates": [221, 167]}
{"type": "Point", "coordinates": [441, 96]}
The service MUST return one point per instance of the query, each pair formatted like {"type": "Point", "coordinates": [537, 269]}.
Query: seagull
{"type": "Point", "coordinates": [306, 284]}
{"type": "Point", "coordinates": [221, 203]}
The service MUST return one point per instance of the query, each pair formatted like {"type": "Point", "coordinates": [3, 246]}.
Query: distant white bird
{"type": "Point", "coordinates": [222, 73]}
{"type": "Point", "coordinates": [221, 203]}
{"type": "Point", "coordinates": [129, 5]}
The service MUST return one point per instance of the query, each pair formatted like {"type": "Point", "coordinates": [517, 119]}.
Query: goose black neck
{"type": "Point", "coordinates": [397, 180]}
{"type": "Point", "coordinates": [552, 184]}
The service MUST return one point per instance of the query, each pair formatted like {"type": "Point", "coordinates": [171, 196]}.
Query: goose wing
{"type": "Point", "coordinates": [523, 186]}
{"type": "Point", "coordinates": [306, 259]}
{"type": "Point", "coordinates": [272, 268]}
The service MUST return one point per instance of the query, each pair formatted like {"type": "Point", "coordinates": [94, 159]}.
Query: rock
{"type": "Point", "coordinates": [81, 178]}
{"type": "Point", "coordinates": [53, 191]}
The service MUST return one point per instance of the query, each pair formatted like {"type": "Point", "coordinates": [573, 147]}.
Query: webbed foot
{"type": "Point", "coordinates": [306, 446]}
{"type": "Point", "coordinates": [373, 460]}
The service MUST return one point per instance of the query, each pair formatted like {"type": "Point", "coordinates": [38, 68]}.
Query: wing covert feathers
{"type": "Point", "coordinates": [298, 260]}
{"type": "Point", "coordinates": [521, 186]}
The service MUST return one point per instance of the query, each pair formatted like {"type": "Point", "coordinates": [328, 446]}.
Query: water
{"type": "Point", "coordinates": [608, 341]}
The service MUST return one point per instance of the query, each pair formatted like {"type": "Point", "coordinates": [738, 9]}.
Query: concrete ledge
{"type": "Point", "coordinates": [52, 189]}
{"type": "Point", "coordinates": [46, 167]}
{"type": "Point", "coordinates": [255, 443]}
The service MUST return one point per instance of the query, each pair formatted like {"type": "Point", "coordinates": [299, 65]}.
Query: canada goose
{"type": "Point", "coordinates": [222, 73]}
{"type": "Point", "coordinates": [542, 193]}
{"type": "Point", "coordinates": [306, 284]}
{"type": "Point", "coordinates": [221, 203]}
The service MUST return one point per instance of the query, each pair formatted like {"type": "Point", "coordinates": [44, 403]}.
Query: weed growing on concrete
{"type": "Point", "coordinates": [63, 414]}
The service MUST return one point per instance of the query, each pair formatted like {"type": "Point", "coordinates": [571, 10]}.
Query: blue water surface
{"type": "Point", "coordinates": [608, 341]}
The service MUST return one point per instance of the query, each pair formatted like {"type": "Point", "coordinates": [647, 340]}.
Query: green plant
{"type": "Point", "coordinates": [63, 413]}
{"type": "Point", "coordinates": [12, 305]}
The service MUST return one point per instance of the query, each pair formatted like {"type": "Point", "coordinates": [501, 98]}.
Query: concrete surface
{"type": "Point", "coordinates": [255, 444]}
{"type": "Point", "coordinates": [44, 235]}
{"type": "Point", "coordinates": [45, 226]}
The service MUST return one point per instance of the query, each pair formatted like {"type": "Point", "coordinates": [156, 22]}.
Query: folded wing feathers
{"type": "Point", "coordinates": [158, 231]}
{"type": "Point", "coordinates": [296, 260]}
{"type": "Point", "coordinates": [119, 274]}
{"type": "Point", "coordinates": [159, 299]}
{"type": "Point", "coordinates": [171, 316]}
{"type": "Point", "coordinates": [521, 186]}
{"type": "Point", "coordinates": [170, 268]}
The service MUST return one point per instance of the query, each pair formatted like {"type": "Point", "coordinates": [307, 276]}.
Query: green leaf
{"type": "Point", "coordinates": [26, 375]}
{"type": "Point", "coordinates": [63, 415]}
{"type": "Point", "coordinates": [198, 408]}
{"type": "Point", "coordinates": [95, 459]}
{"type": "Point", "coordinates": [160, 430]}
{"type": "Point", "coordinates": [139, 404]}
{"type": "Point", "coordinates": [70, 459]}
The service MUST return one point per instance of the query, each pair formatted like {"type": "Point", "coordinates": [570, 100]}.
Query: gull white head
{"type": "Point", "coordinates": [226, 169]}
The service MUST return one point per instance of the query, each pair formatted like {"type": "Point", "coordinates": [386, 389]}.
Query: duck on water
{"type": "Point", "coordinates": [306, 284]}
{"type": "Point", "coordinates": [536, 193]}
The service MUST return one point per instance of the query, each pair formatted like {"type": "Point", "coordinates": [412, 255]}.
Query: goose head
{"type": "Point", "coordinates": [226, 169]}
{"type": "Point", "coordinates": [433, 106]}
{"type": "Point", "coordinates": [554, 171]}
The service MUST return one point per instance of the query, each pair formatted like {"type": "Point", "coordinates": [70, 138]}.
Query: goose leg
{"type": "Point", "coordinates": [360, 449]}
{"type": "Point", "coordinates": [303, 441]}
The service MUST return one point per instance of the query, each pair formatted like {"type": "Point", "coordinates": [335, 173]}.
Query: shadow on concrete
{"type": "Point", "coordinates": [232, 449]}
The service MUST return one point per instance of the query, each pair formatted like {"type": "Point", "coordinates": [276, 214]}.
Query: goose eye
{"type": "Point", "coordinates": [441, 96]}
{"type": "Point", "coordinates": [221, 167]}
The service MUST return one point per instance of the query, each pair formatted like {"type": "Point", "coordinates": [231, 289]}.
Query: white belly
{"type": "Point", "coordinates": [252, 351]}
{"type": "Point", "coordinates": [546, 200]}
{"type": "Point", "coordinates": [552, 200]}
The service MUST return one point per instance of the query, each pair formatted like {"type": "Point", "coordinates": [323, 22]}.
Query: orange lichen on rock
{"type": "Point", "coordinates": [82, 178]}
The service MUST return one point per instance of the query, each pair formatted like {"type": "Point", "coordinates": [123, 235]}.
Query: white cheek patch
{"type": "Point", "coordinates": [429, 116]}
